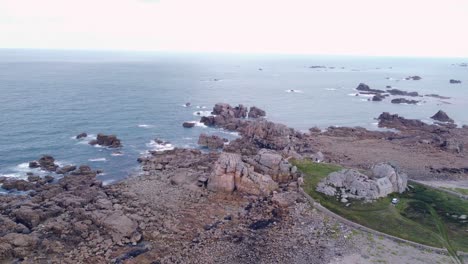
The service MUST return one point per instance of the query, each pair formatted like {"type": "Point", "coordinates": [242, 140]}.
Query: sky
{"type": "Point", "coordinates": [431, 28]}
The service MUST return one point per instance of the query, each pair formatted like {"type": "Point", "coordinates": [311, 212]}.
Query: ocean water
{"type": "Point", "coordinates": [48, 97]}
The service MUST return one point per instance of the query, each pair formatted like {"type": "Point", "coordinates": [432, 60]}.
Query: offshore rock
{"type": "Point", "coordinates": [110, 141]}
{"type": "Point", "coordinates": [188, 124]}
{"type": "Point", "coordinates": [365, 88]}
{"type": "Point", "coordinates": [81, 135]}
{"type": "Point", "coordinates": [403, 101]}
{"type": "Point", "coordinates": [442, 117]}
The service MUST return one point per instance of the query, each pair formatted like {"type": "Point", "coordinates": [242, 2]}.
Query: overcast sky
{"type": "Point", "coordinates": [357, 27]}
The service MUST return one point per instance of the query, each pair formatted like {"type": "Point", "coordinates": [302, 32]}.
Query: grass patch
{"type": "Point", "coordinates": [423, 215]}
{"type": "Point", "coordinates": [458, 190]}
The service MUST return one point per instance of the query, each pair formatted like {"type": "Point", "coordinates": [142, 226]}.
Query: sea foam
{"type": "Point", "coordinates": [97, 159]}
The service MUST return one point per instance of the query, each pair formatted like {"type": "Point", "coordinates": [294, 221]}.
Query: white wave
{"type": "Point", "coordinates": [116, 154]}
{"type": "Point", "coordinates": [23, 167]}
{"type": "Point", "coordinates": [202, 113]}
{"type": "Point", "coordinates": [107, 182]}
{"type": "Point", "coordinates": [293, 91]}
{"type": "Point", "coordinates": [159, 147]}
{"type": "Point", "coordinates": [97, 159]}
{"type": "Point", "coordinates": [199, 124]}
{"type": "Point", "coordinates": [362, 95]}
{"type": "Point", "coordinates": [145, 126]}
{"type": "Point", "coordinates": [234, 133]}
{"type": "Point", "coordinates": [330, 89]}
{"type": "Point", "coordinates": [364, 100]}
{"type": "Point", "coordinates": [86, 139]}
{"type": "Point", "coordinates": [11, 175]}
{"type": "Point", "coordinates": [187, 138]}
{"type": "Point", "coordinates": [375, 123]}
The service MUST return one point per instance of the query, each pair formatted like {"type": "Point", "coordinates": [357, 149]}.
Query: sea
{"type": "Point", "coordinates": [47, 97]}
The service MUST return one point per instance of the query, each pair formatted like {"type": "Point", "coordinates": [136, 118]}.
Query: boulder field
{"type": "Point", "coordinates": [240, 204]}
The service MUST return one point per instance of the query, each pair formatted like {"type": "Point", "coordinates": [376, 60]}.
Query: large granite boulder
{"type": "Point", "coordinates": [349, 183]}
{"type": "Point", "coordinates": [211, 142]}
{"type": "Point", "coordinates": [384, 170]}
{"type": "Point", "coordinates": [273, 164]}
{"type": "Point", "coordinates": [442, 117]}
{"type": "Point", "coordinates": [110, 141]}
{"type": "Point", "coordinates": [230, 173]}
{"type": "Point", "coordinates": [267, 134]}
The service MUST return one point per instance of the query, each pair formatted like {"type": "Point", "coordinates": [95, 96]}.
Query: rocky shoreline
{"type": "Point", "coordinates": [240, 204]}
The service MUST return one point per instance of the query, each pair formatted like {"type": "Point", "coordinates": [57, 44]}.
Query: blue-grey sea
{"type": "Point", "coordinates": [48, 97]}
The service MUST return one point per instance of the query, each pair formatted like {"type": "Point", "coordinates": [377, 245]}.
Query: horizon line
{"type": "Point", "coordinates": [266, 53]}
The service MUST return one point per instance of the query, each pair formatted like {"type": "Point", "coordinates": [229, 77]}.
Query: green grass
{"type": "Point", "coordinates": [458, 190]}
{"type": "Point", "coordinates": [423, 215]}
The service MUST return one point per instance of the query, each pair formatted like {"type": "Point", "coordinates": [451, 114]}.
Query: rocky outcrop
{"type": "Point", "coordinates": [211, 142]}
{"type": "Point", "coordinates": [378, 97]}
{"type": "Point", "coordinates": [395, 121]}
{"type": "Point", "coordinates": [414, 78]}
{"type": "Point", "coordinates": [365, 88]}
{"type": "Point", "coordinates": [68, 217]}
{"type": "Point", "coordinates": [357, 132]}
{"type": "Point", "coordinates": [230, 173]}
{"type": "Point", "coordinates": [266, 134]}
{"type": "Point", "coordinates": [228, 111]}
{"type": "Point", "coordinates": [188, 124]}
{"type": "Point", "coordinates": [271, 163]}
{"type": "Point", "coordinates": [110, 141]}
{"type": "Point", "coordinates": [437, 96]}
{"type": "Point", "coordinates": [66, 169]}
{"type": "Point", "coordinates": [256, 112]}
{"type": "Point", "coordinates": [452, 81]}
{"type": "Point", "coordinates": [81, 135]}
{"type": "Point", "coordinates": [18, 184]}
{"type": "Point", "coordinates": [442, 117]}
{"type": "Point", "coordinates": [226, 116]}
{"type": "Point", "coordinates": [349, 183]}
{"type": "Point", "coordinates": [402, 93]}
{"type": "Point", "coordinates": [46, 162]}
{"type": "Point", "coordinates": [403, 101]}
